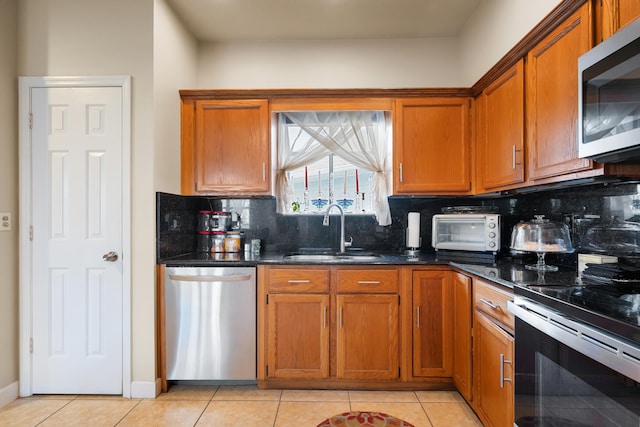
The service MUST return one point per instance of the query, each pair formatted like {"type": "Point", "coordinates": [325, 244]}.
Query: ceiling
{"type": "Point", "coordinates": [226, 20]}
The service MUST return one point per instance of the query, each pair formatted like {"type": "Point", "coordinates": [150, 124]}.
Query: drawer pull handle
{"type": "Point", "coordinates": [502, 378]}
{"type": "Point", "coordinates": [418, 316]}
{"type": "Point", "coordinates": [299, 281]}
{"type": "Point", "coordinates": [368, 282]}
{"type": "Point", "coordinates": [490, 304]}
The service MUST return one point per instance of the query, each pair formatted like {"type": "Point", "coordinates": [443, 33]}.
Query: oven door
{"type": "Point", "coordinates": [568, 373]}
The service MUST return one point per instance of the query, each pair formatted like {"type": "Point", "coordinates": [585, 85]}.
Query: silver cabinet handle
{"type": "Point", "coordinates": [502, 378]}
{"type": "Point", "coordinates": [489, 303]}
{"type": "Point", "coordinates": [400, 172]}
{"type": "Point", "coordinates": [324, 317]}
{"type": "Point", "coordinates": [513, 155]}
{"type": "Point", "coordinates": [299, 281]}
{"type": "Point", "coordinates": [264, 171]}
{"type": "Point", "coordinates": [368, 282]}
{"type": "Point", "coordinates": [110, 256]}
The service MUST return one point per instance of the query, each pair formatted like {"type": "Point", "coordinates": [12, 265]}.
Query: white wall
{"type": "Point", "coordinates": [330, 64]}
{"type": "Point", "coordinates": [96, 37]}
{"type": "Point", "coordinates": [175, 62]}
{"type": "Point", "coordinates": [494, 29]}
{"type": "Point", "coordinates": [8, 200]}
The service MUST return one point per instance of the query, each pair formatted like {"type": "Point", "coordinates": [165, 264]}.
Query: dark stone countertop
{"type": "Point", "coordinates": [506, 271]}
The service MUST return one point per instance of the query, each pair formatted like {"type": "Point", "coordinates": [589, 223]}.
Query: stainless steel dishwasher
{"type": "Point", "coordinates": [210, 323]}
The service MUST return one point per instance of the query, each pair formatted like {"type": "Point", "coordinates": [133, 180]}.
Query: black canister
{"type": "Point", "coordinates": [204, 220]}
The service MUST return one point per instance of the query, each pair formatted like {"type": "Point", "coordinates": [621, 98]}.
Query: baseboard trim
{"type": "Point", "coordinates": [9, 393]}
{"type": "Point", "coordinates": [145, 389]}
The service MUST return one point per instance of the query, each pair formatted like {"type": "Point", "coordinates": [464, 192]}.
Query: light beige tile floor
{"type": "Point", "coordinates": [244, 406]}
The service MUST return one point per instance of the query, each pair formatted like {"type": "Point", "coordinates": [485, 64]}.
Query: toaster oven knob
{"type": "Point", "coordinates": [492, 225]}
{"type": "Point", "coordinates": [492, 244]}
{"type": "Point", "coordinates": [492, 234]}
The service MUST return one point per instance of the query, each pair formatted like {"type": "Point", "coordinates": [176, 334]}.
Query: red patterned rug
{"type": "Point", "coordinates": [364, 419]}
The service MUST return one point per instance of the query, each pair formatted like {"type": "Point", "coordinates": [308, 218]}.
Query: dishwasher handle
{"type": "Point", "coordinates": [228, 278]}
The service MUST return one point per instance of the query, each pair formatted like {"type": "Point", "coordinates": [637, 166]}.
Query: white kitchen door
{"type": "Point", "coordinates": [76, 138]}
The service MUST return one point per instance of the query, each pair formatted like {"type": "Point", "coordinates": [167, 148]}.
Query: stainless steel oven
{"type": "Point", "coordinates": [574, 366]}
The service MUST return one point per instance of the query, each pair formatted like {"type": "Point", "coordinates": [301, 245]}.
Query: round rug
{"type": "Point", "coordinates": [363, 419]}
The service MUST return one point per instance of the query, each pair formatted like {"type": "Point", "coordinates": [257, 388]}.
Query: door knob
{"type": "Point", "coordinates": [110, 256]}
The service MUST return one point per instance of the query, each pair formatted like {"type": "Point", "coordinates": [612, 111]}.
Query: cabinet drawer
{"type": "Point", "coordinates": [492, 301]}
{"type": "Point", "coordinates": [368, 281]}
{"type": "Point", "coordinates": [302, 280]}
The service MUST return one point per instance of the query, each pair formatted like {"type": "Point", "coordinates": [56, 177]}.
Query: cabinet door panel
{"type": "Point", "coordinates": [432, 324]}
{"type": "Point", "coordinates": [461, 285]}
{"type": "Point", "coordinates": [493, 395]}
{"type": "Point", "coordinates": [367, 337]}
{"type": "Point", "coordinates": [432, 146]}
{"type": "Point", "coordinates": [298, 336]}
{"type": "Point", "coordinates": [231, 147]}
{"type": "Point", "coordinates": [501, 130]}
{"type": "Point", "coordinates": [552, 98]}
{"type": "Point", "coordinates": [611, 15]}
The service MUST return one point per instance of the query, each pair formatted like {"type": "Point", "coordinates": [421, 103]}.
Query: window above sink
{"type": "Point", "coordinates": [327, 157]}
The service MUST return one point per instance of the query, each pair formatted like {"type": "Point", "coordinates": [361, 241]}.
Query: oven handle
{"type": "Point", "coordinates": [619, 355]}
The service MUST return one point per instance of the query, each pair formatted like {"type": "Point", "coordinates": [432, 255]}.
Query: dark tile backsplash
{"type": "Point", "coordinates": [177, 218]}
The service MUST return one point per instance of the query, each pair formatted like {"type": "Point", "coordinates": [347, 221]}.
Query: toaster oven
{"type": "Point", "coordinates": [466, 232]}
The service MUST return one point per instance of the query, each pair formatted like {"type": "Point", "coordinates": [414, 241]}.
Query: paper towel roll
{"type": "Point", "coordinates": [413, 230]}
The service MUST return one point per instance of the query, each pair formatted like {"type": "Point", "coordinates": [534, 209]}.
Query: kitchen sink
{"type": "Point", "coordinates": [340, 256]}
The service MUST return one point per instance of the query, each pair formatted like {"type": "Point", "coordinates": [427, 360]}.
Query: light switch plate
{"type": "Point", "coordinates": [5, 221]}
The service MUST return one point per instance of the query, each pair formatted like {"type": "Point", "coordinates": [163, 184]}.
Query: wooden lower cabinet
{"type": "Point", "coordinates": [432, 324]}
{"type": "Point", "coordinates": [493, 367]}
{"type": "Point", "coordinates": [493, 390]}
{"type": "Point", "coordinates": [367, 337]}
{"type": "Point", "coordinates": [298, 337]}
{"type": "Point", "coordinates": [462, 324]}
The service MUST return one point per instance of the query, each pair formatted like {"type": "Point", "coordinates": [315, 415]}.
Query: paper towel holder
{"type": "Point", "coordinates": [413, 240]}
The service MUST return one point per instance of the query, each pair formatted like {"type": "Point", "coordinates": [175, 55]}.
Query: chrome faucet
{"type": "Point", "coordinates": [325, 222]}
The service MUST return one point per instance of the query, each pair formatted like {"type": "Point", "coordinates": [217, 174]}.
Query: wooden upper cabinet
{"type": "Point", "coordinates": [611, 15]}
{"type": "Point", "coordinates": [552, 98]}
{"type": "Point", "coordinates": [500, 136]}
{"type": "Point", "coordinates": [432, 153]}
{"type": "Point", "coordinates": [225, 147]}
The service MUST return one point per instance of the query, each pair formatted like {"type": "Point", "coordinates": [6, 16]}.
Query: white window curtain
{"type": "Point", "coordinates": [294, 151]}
{"type": "Point", "coordinates": [359, 137]}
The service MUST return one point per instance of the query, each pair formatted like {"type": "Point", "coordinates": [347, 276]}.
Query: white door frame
{"type": "Point", "coordinates": [26, 212]}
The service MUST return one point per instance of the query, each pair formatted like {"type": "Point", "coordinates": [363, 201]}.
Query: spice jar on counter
{"type": "Point", "coordinates": [217, 241]}
{"type": "Point", "coordinates": [232, 241]}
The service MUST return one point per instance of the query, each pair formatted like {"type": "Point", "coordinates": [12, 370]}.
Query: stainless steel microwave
{"type": "Point", "coordinates": [466, 232]}
{"type": "Point", "coordinates": [609, 98]}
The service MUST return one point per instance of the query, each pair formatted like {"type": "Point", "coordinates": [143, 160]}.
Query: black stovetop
{"type": "Point", "coordinates": [613, 308]}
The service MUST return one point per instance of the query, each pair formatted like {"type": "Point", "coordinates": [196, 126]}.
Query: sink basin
{"type": "Point", "coordinates": [346, 256]}
{"type": "Point", "coordinates": [310, 257]}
